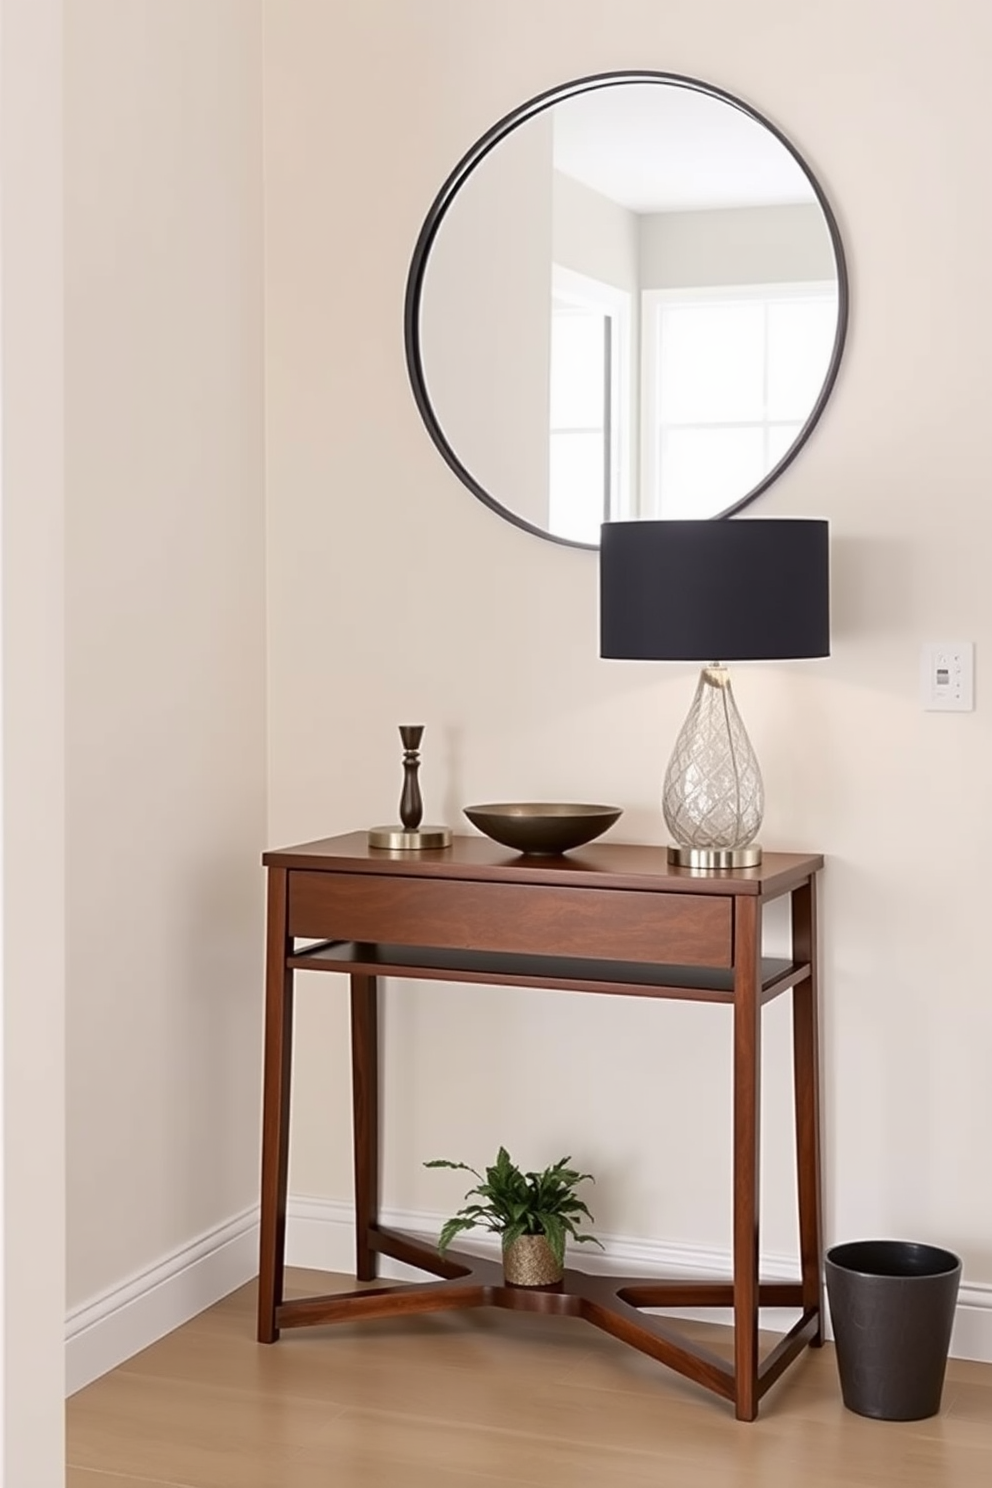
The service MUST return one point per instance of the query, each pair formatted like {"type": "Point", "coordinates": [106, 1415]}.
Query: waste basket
{"type": "Point", "coordinates": [892, 1304]}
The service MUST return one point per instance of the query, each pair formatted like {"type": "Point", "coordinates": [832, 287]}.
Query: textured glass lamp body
{"type": "Point", "coordinates": [713, 797]}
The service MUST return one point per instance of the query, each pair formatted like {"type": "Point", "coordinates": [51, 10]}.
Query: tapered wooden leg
{"type": "Point", "coordinates": [747, 1105]}
{"type": "Point", "coordinates": [275, 1109]}
{"type": "Point", "coordinates": [365, 1098]}
{"type": "Point", "coordinates": [805, 1049]}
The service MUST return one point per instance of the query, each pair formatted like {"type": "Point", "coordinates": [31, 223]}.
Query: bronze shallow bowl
{"type": "Point", "coordinates": [541, 827]}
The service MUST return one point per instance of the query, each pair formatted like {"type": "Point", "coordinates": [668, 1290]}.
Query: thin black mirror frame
{"type": "Point", "coordinates": [464, 168]}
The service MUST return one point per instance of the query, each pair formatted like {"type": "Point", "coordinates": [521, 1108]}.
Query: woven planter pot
{"type": "Point", "coordinates": [529, 1261]}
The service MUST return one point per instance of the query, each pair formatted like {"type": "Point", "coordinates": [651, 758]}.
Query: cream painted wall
{"type": "Point", "coordinates": [165, 688]}
{"type": "Point", "coordinates": [394, 595]}
{"type": "Point", "coordinates": [32, 1119]}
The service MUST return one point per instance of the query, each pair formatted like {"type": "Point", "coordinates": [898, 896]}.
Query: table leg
{"type": "Point", "coordinates": [365, 1098]}
{"type": "Point", "coordinates": [275, 1108]}
{"type": "Point", "coordinates": [805, 1047]}
{"type": "Point", "coordinates": [747, 1105]}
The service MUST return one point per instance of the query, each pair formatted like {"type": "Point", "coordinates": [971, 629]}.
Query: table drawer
{"type": "Point", "coordinates": [529, 919]}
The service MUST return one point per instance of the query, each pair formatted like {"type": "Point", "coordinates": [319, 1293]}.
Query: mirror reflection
{"type": "Point", "coordinates": [627, 302]}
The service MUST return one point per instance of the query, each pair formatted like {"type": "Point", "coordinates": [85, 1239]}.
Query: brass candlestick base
{"type": "Point", "coordinates": [716, 857]}
{"type": "Point", "coordinates": [401, 840]}
{"type": "Point", "coordinates": [410, 836]}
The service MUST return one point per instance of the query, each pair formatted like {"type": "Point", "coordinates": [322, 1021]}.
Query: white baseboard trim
{"type": "Point", "coordinates": [122, 1321]}
{"type": "Point", "coordinates": [972, 1335]}
{"type": "Point", "coordinates": [320, 1235]}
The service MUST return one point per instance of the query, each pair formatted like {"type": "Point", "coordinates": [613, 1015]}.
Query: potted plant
{"type": "Point", "coordinates": [533, 1213]}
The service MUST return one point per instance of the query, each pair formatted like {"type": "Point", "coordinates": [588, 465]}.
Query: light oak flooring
{"type": "Point", "coordinates": [466, 1400]}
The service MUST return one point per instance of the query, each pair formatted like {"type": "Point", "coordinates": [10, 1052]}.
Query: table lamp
{"type": "Point", "coordinates": [713, 592]}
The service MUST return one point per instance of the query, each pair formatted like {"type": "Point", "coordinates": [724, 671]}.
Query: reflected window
{"type": "Point", "coordinates": [730, 376]}
{"type": "Point", "coordinates": [589, 405]}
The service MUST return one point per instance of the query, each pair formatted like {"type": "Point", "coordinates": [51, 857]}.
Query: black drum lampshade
{"type": "Point", "coordinates": [733, 590]}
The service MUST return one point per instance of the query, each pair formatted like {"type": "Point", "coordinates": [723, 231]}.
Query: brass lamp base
{"type": "Point", "coordinates": [409, 839]}
{"type": "Point", "coordinates": [716, 857]}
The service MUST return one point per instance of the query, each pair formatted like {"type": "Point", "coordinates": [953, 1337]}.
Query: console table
{"type": "Point", "coordinates": [611, 918]}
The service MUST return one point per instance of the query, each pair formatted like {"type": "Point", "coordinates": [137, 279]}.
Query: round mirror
{"type": "Point", "coordinates": [628, 300]}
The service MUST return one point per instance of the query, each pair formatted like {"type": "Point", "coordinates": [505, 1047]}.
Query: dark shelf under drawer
{"type": "Point", "coordinates": [698, 983]}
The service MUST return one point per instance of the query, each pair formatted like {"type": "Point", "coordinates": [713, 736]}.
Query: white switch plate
{"type": "Point", "coordinates": [947, 676]}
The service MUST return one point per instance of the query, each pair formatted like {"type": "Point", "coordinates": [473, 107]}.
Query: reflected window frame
{"type": "Point", "coordinates": [655, 304]}
{"type": "Point", "coordinates": [575, 293]}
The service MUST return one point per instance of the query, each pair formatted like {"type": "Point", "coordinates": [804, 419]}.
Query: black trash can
{"type": "Point", "coordinates": [892, 1304]}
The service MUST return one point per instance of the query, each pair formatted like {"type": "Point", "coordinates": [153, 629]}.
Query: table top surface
{"type": "Point", "coordinates": [617, 865]}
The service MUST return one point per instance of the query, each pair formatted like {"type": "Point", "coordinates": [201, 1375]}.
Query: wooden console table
{"type": "Point", "coordinates": [609, 918]}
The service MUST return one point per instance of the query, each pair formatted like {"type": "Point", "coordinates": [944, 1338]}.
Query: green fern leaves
{"type": "Point", "coordinates": [512, 1203]}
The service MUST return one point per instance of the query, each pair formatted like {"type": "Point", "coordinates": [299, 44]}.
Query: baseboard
{"type": "Point", "coordinates": [122, 1321]}
{"type": "Point", "coordinates": [114, 1326]}
{"type": "Point", "coordinates": [972, 1336]}
{"type": "Point", "coordinates": [320, 1235]}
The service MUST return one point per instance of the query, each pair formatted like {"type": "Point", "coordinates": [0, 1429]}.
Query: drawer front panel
{"type": "Point", "coordinates": [528, 919]}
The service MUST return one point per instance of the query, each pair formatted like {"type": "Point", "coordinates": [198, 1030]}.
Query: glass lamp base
{"type": "Point", "coordinates": [716, 857]}
{"type": "Point", "coordinates": [713, 799]}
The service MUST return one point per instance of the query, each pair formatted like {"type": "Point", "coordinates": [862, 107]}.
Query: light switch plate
{"type": "Point", "coordinates": [947, 676]}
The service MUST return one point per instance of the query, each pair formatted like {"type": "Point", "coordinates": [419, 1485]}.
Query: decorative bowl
{"type": "Point", "coordinates": [541, 827]}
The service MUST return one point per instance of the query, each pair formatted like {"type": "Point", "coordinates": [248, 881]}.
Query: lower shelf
{"type": "Point", "coordinates": [572, 974]}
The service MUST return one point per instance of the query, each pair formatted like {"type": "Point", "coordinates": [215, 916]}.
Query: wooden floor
{"type": "Point", "coordinates": [465, 1400]}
